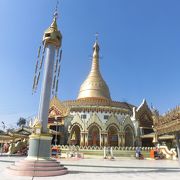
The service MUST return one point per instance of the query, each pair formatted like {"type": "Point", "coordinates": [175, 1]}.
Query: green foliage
{"type": "Point", "coordinates": [10, 130]}
{"type": "Point", "coordinates": [21, 122]}
{"type": "Point", "coordinates": [1, 131]}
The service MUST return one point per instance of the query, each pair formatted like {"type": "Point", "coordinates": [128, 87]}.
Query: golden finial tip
{"type": "Point", "coordinates": [52, 35]}
{"type": "Point", "coordinates": [97, 35]}
{"type": "Point", "coordinates": [56, 14]}
{"type": "Point", "coordinates": [96, 45]}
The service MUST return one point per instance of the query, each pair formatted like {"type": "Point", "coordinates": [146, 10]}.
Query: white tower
{"type": "Point", "coordinates": [40, 141]}
{"type": "Point", "coordinates": [52, 41]}
{"type": "Point", "coordinates": [39, 162]}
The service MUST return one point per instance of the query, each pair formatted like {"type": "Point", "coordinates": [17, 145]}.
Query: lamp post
{"type": "Point", "coordinates": [56, 131]}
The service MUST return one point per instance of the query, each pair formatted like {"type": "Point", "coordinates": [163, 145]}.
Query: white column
{"type": "Point", "coordinates": [100, 140]}
{"type": "Point", "coordinates": [123, 139]}
{"type": "Point", "coordinates": [111, 153]}
{"type": "Point", "coordinates": [105, 152]}
{"type": "Point", "coordinates": [102, 137]}
{"type": "Point", "coordinates": [119, 139]}
{"type": "Point", "coordinates": [86, 139]}
{"type": "Point", "coordinates": [105, 139]}
{"type": "Point", "coordinates": [46, 87]}
{"type": "Point", "coordinates": [82, 139]}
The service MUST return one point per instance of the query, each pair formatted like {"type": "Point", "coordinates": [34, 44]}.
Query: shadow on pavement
{"type": "Point", "coordinates": [121, 172]}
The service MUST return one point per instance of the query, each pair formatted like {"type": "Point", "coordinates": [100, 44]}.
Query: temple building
{"type": "Point", "coordinates": [94, 119]}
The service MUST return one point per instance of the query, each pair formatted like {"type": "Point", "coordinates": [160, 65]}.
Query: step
{"type": "Point", "coordinates": [36, 164]}
{"type": "Point", "coordinates": [32, 168]}
{"type": "Point", "coordinates": [38, 173]}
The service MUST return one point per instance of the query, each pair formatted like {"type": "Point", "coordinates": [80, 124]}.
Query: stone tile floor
{"type": "Point", "coordinates": [96, 169]}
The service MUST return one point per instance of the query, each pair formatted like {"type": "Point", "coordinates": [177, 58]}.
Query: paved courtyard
{"type": "Point", "coordinates": [120, 168]}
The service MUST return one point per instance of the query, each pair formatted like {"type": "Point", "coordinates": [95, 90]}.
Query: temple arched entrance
{"type": "Point", "coordinates": [112, 136]}
{"type": "Point", "coordinates": [129, 136]}
{"type": "Point", "coordinates": [93, 136]}
{"type": "Point", "coordinates": [75, 135]}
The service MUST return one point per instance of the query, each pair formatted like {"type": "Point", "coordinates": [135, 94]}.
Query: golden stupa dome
{"type": "Point", "coordinates": [94, 86]}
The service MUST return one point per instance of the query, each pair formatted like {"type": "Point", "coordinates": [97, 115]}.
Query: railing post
{"type": "Point", "coordinates": [178, 144]}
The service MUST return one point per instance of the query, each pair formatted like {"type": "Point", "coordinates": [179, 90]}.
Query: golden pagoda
{"type": "Point", "coordinates": [96, 119]}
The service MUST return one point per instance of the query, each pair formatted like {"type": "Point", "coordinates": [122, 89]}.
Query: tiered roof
{"type": "Point", "coordinates": [169, 123]}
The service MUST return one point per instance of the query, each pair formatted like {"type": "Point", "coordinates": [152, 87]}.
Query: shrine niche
{"type": "Point", "coordinates": [129, 136]}
{"type": "Point", "coordinates": [75, 135]}
{"type": "Point", "coordinates": [112, 136]}
{"type": "Point", "coordinates": [94, 136]}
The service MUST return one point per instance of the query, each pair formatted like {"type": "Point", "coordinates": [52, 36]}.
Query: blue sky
{"type": "Point", "coordinates": [139, 41]}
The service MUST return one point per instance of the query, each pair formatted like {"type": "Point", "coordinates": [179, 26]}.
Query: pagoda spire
{"type": "Point", "coordinates": [94, 86]}
{"type": "Point", "coordinates": [95, 59]}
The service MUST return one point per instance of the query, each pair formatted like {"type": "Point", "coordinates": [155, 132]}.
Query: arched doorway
{"type": "Point", "coordinates": [75, 135]}
{"type": "Point", "coordinates": [129, 136]}
{"type": "Point", "coordinates": [112, 136]}
{"type": "Point", "coordinates": [93, 136]}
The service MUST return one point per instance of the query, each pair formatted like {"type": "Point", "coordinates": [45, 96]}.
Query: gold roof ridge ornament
{"type": "Point", "coordinates": [94, 85]}
{"type": "Point", "coordinates": [36, 126]}
{"type": "Point", "coordinates": [55, 102]}
{"type": "Point", "coordinates": [36, 123]}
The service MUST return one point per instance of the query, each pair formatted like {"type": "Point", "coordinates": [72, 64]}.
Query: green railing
{"type": "Point", "coordinates": [99, 151]}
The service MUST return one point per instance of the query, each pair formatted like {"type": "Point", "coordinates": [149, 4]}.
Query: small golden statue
{"type": "Point", "coordinates": [73, 137]}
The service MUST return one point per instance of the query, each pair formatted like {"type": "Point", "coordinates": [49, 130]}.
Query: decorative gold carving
{"type": "Point", "coordinates": [169, 123]}
{"type": "Point", "coordinates": [41, 136]}
{"type": "Point", "coordinates": [56, 105]}
{"type": "Point", "coordinates": [113, 121]}
{"type": "Point", "coordinates": [127, 121]}
{"type": "Point", "coordinates": [77, 120]}
{"type": "Point", "coordinates": [36, 123]}
{"type": "Point", "coordinates": [98, 105]}
{"type": "Point", "coordinates": [52, 113]}
{"type": "Point", "coordinates": [94, 119]}
{"type": "Point", "coordinates": [52, 35]}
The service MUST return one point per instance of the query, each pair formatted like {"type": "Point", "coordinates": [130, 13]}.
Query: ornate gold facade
{"type": "Point", "coordinates": [93, 130]}
{"type": "Point", "coordinates": [169, 123]}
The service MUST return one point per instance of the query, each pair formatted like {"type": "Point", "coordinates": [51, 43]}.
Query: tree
{"type": "Point", "coordinates": [10, 130]}
{"type": "Point", "coordinates": [21, 122]}
{"type": "Point", "coordinates": [1, 131]}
